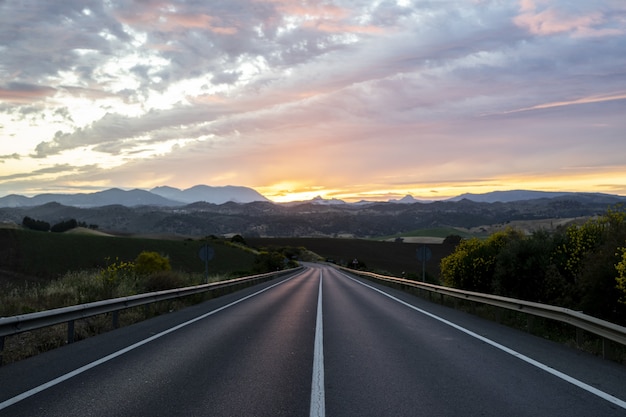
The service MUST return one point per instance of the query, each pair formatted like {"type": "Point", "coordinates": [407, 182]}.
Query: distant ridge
{"type": "Point", "coordinates": [160, 196]}
{"type": "Point", "coordinates": [130, 198]}
{"type": "Point", "coordinates": [214, 195]}
{"type": "Point", "coordinates": [166, 196]}
{"type": "Point", "coordinates": [519, 195]}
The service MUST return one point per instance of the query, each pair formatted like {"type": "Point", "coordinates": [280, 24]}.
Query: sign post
{"type": "Point", "coordinates": [423, 255]}
{"type": "Point", "coordinates": [206, 253]}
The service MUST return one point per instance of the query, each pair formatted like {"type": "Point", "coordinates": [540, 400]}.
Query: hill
{"type": "Point", "coordinates": [159, 196]}
{"type": "Point", "coordinates": [26, 254]}
{"type": "Point", "coordinates": [389, 257]}
{"type": "Point", "coordinates": [266, 219]}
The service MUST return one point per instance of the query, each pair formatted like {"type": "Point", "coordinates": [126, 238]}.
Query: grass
{"type": "Point", "coordinates": [42, 271]}
{"type": "Point", "coordinates": [440, 232]}
{"type": "Point", "coordinates": [387, 258]}
{"type": "Point", "coordinates": [119, 279]}
{"type": "Point", "coordinates": [50, 255]}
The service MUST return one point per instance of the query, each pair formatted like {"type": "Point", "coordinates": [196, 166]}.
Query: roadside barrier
{"type": "Point", "coordinates": [607, 331]}
{"type": "Point", "coordinates": [22, 323]}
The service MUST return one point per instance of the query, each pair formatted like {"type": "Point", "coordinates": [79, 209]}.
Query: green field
{"type": "Point", "coordinates": [385, 257]}
{"type": "Point", "coordinates": [440, 232]}
{"type": "Point", "coordinates": [42, 256]}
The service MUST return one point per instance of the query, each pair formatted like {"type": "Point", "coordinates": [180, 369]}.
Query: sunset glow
{"type": "Point", "coordinates": [354, 101]}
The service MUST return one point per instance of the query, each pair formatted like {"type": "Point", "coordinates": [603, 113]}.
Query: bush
{"type": "Point", "coordinates": [151, 262]}
{"type": "Point", "coordinates": [164, 280]}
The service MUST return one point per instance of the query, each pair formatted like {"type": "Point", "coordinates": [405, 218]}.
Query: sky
{"type": "Point", "coordinates": [349, 99]}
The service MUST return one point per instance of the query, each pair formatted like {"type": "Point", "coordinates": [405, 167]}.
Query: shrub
{"type": "Point", "coordinates": [114, 275]}
{"type": "Point", "coordinates": [151, 262]}
{"type": "Point", "coordinates": [164, 280]}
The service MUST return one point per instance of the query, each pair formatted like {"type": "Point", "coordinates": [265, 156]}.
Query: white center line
{"type": "Point", "coordinates": [318, 402]}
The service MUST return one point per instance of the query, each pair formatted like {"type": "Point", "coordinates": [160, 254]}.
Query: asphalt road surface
{"type": "Point", "coordinates": [316, 343]}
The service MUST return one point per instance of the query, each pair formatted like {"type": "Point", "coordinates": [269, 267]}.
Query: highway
{"type": "Point", "coordinates": [318, 342]}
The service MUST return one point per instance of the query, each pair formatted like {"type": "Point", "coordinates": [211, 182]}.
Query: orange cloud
{"type": "Point", "coordinates": [552, 21]}
{"type": "Point", "coordinates": [25, 93]}
{"type": "Point", "coordinates": [583, 100]}
{"type": "Point", "coordinates": [202, 21]}
{"type": "Point", "coordinates": [167, 19]}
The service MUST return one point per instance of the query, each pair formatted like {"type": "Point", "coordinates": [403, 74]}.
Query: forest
{"type": "Point", "coordinates": [580, 267]}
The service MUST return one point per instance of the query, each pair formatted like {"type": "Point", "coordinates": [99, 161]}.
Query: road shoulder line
{"type": "Point", "coordinates": [84, 368]}
{"type": "Point", "coordinates": [592, 390]}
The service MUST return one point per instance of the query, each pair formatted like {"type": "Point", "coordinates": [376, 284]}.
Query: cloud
{"type": "Point", "coordinates": [337, 92]}
{"type": "Point", "coordinates": [546, 18]}
{"type": "Point", "coordinates": [15, 156]}
{"type": "Point", "coordinates": [23, 93]}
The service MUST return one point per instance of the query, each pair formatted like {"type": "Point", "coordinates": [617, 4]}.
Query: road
{"type": "Point", "coordinates": [270, 350]}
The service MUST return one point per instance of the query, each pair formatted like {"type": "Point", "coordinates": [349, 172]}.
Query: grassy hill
{"type": "Point", "coordinates": [41, 256]}
{"type": "Point", "coordinates": [382, 256]}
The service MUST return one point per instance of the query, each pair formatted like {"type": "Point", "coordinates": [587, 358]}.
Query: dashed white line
{"type": "Point", "coordinates": [318, 402]}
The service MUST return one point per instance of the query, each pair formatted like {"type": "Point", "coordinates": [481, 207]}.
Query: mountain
{"type": "Point", "coordinates": [522, 195]}
{"type": "Point", "coordinates": [166, 196]}
{"type": "Point", "coordinates": [214, 195]}
{"type": "Point", "coordinates": [408, 199]}
{"type": "Point", "coordinates": [130, 198]}
{"type": "Point", "coordinates": [159, 196]}
{"type": "Point", "coordinates": [308, 219]}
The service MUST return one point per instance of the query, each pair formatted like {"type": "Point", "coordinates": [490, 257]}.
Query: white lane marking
{"type": "Point", "coordinates": [558, 374]}
{"type": "Point", "coordinates": [318, 402]}
{"type": "Point", "coordinates": [127, 349]}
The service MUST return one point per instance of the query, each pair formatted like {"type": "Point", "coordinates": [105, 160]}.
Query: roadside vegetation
{"type": "Point", "coordinates": [580, 267]}
{"type": "Point", "coordinates": [43, 270]}
{"type": "Point", "coordinates": [99, 268]}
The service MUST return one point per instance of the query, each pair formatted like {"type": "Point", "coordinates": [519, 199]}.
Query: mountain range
{"type": "Point", "coordinates": [159, 196]}
{"type": "Point", "coordinates": [167, 211]}
{"type": "Point", "coordinates": [165, 196]}
{"type": "Point", "coordinates": [311, 219]}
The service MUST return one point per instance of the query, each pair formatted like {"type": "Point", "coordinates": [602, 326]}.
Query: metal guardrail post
{"type": "Point", "coordinates": [116, 319]}
{"type": "Point", "coordinates": [70, 331]}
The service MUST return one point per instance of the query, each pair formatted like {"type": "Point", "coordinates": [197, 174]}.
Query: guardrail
{"type": "Point", "coordinates": [604, 329]}
{"type": "Point", "coordinates": [22, 323]}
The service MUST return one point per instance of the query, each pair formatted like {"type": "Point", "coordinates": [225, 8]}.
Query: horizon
{"type": "Point", "coordinates": [391, 198]}
{"type": "Point", "coordinates": [335, 99]}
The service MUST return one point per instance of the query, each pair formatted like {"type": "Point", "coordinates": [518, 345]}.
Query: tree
{"type": "Point", "coordinates": [472, 265]}
{"type": "Point", "coordinates": [452, 240]}
{"type": "Point", "coordinates": [467, 267]}
{"type": "Point", "coordinates": [238, 239]}
{"type": "Point", "coordinates": [33, 224]}
{"type": "Point", "coordinates": [620, 267]}
{"type": "Point", "coordinates": [64, 226]}
{"type": "Point", "coordinates": [521, 265]}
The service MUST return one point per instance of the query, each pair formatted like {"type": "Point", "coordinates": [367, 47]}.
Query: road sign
{"type": "Point", "coordinates": [424, 254]}
{"type": "Point", "coordinates": [206, 253]}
